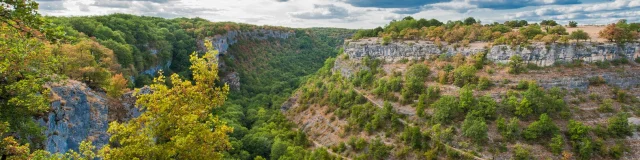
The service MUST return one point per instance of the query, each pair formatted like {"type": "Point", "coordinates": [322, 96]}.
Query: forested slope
{"type": "Point", "coordinates": [120, 52]}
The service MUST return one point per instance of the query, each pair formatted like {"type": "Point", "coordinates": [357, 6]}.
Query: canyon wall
{"type": "Point", "coordinates": [537, 53]}
{"type": "Point", "coordinates": [79, 113]}
{"type": "Point", "coordinates": [222, 43]}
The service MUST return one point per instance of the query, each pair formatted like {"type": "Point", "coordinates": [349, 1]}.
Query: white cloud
{"type": "Point", "coordinates": [328, 11]}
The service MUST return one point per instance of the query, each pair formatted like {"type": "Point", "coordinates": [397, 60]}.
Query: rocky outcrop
{"type": "Point", "coordinates": [79, 113]}
{"type": "Point", "coordinates": [222, 42]}
{"type": "Point", "coordinates": [538, 53]}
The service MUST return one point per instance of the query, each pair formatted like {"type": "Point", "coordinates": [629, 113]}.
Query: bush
{"type": "Point", "coordinates": [577, 131]}
{"type": "Point", "coordinates": [386, 40]}
{"type": "Point", "coordinates": [619, 61]}
{"type": "Point", "coordinates": [557, 143]}
{"type": "Point", "coordinates": [508, 131]}
{"type": "Point", "coordinates": [573, 24]}
{"type": "Point", "coordinates": [117, 86]}
{"type": "Point", "coordinates": [484, 83]}
{"type": "Point", "coordinates": [475, 128]}
{"type": "Point", "coordinates": [464, 75]}
{"type": "Point", "coordinates": [516, 64]}
{"type": "Point", "coordinates": [544, 127]}
{"type": "Point", "coordinates": [606, 106]}
{"type": "Point", "coordinates": [378, 150]}
{"type": "Point", "coordinates": [414, 81]}
{"type": "Point", "coordinates": [521, 153]}
{"type": "Point", "coordinates": [522, 85]}
{"type": "Point", "coordinates": [445, 109]}
{"type": "Point", "coordinates": [619, 125]}
{"type": "Point", "coordinates": [597, 81]}
{"type": "Point", "coordinates": [637, 60]}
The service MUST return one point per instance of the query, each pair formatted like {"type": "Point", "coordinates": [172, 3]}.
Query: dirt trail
{"type": "Point", "coordinates": [411, 125]}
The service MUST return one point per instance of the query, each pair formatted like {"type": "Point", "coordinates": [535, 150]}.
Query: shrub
{"type": "Point", "coordinates": [446, 108]}
{"type": "Point", "coordinates": [597, 80]}
{"type": "Point", "coordinates": [602, 64]}
{"type": "Point", "coordinates": [484, 83]}
{"type": "Point", "coordinates": [637, 60]}
{"type": "Point", "coordinates": [619, 125]}
{"type": "Point", "coordinates": [414, 81]}
{"type": "Point", "coordinates": [619, 61]}
{"type": "Point", "coordinates": [521, 153]}
{"type": "Point", "coordinates": [464, 75]}
{"type": "Point", "coordinates": [508, 131]}
{"type": "Point", "coordinates": [573, 24]}
{"type": "Point", "coordinates": [577, 131]}
{"type": "Point", "coordinates": [475, 128]}
{"type": "Point", "coordinates": [378, 150]}
{"type": "Point", "coordinates": [557, 143]}
{"type": "Point", "coordinates": [386, 40]}
{"type": "Point", "coordinates": [606, 106]}
{"type": "Point", "coordinates": [117, 86]}
{"type": "Point", "coordinates": [544, 127]}
{"type": "Point", "coordinates": [516, 64]}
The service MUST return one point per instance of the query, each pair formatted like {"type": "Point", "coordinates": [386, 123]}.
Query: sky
{"type": "Point", "coordinates": [355, 14]}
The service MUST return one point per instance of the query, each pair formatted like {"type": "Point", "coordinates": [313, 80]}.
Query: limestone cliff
{"type": "Point", "coordinates": [79, 113]}
{"type": "Point", "coordinates": [222, 43]}
{"type": "Point", "coordinates": [537, 53]}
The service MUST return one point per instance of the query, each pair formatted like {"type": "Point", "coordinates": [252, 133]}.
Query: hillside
{"type": "Point", "coordinates": [418, 101]}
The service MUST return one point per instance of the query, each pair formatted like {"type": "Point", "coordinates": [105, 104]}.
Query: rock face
{"type": "Point", "coordinates": [77, 113]}
{"type": "Point", "coordinates": [538, 53]}
{"type": "Point", "coordinates": [222, 43]}
{"type": "Point", "coordinates": [627, 79]}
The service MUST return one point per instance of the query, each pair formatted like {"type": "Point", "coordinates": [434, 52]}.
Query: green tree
{"type": "Point", "coordinates": [464, 75]}
{"type": "Point", "coordinates": [573, 24]}
{"type": "Point", "coordinates": [522, 153]}
{"type": "Point", "coordinates": [278, 149]}
{"type": "Point", "coordinates": [475, 128]}
{"type": "Point", "coordinates": [579, 35]}
{"type": "Point", "coordinates": [531, 31]}
{"type": "Point", "coordinates": [543, 127]}
{"type": "Point", "coordinates": [155, 135]}
{"type": "Point", "coordinates": [577, 131]}
{"type": "Point", "coordinates": [559, 30]}
{"type": "Point", "coordinates": [516, 64]}
{"type": "Point", "coordinates": [378, 150]}
{"type": "Point", "coordinates": [26, 64]}
{"type": "Point", "coordinates": [509, 130]}
{"type": "Point", "coordinates": [524, 109]}
{"type": "Point", "coordinates": [556, 144]}
{"type": "Point", "coordinates": [470, 21]}
{"type": "Point", "coordinates": [467, 100]}
{"type": "Point", "coordinates": [422, 103]}
{"type": "Point", "coordinates": [414, 81]}
{"type": "Point", "coordinates": [445, 109]}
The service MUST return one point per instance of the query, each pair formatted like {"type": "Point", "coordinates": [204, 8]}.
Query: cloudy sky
{"type": "Point", "coordinates": [354, 13]}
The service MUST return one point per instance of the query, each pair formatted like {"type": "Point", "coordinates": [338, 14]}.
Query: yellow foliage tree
{"type": "Point", "coordinates": [177, 122]}
{"type": "Point", "coordinates": [117, 86]}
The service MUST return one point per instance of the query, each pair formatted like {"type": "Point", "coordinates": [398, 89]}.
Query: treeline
{"type": "Point", "coordinates": [515, 32]}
